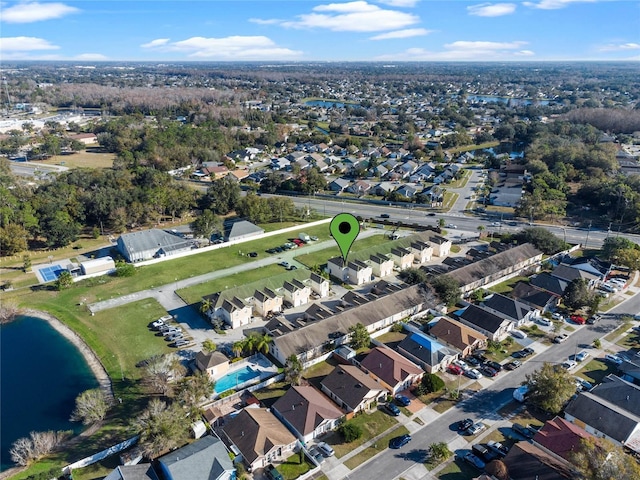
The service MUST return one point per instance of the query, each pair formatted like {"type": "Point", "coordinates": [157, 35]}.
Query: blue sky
{"type": "Point", "coordinates": [308, 30]}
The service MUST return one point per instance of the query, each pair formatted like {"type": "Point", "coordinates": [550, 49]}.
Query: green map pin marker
{"type": "Point", "coordinates": [344, 229]}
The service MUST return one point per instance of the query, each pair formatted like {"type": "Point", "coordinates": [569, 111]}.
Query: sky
{"type": "Point", "coordinates": [310, 30]}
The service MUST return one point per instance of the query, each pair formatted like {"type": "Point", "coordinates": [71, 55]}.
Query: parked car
{"type": "Point", "coordinates": [403, 400]}
{"type": "Point", "coordinates": [569, 364]}
{"type": "Point", "coordinates": [272, 473]}
{"type": "Point", "coordinates": [292, 267]}
{"type": "Point", "coordinates": [174, 337]}
{"type": "Point", "coordinates": [613, 359]}
{"type": "Point", "coordinates": [461, 364]}
{"type": "Point", "coordinates": [474, 461]}
{"type": "Point", "coordinates": [594, 319]}
{"type": "Point", "coordinates": [454, 369]}
{"type": "Point", "coordinates": [316, 454]}
{"type": "Point", "coordinates": [471, 360]}
{"type": "Point", "coordinates": [544, 321]}
{"type": "Point", "coordinates": [488, 371]}
{"type": "Point", "coordinates": [497, 447]}
{"type": "Point", "coordinates": [579, 319]}
{"type": "Point", "coordinates": [284, 264]}
{"type": "Point", "coordinates": [528, 351]}
{"type": "Point", "coordinates": [392, 409]}
{"type": "Point", "coordinates": [473, 373]}
{"type": "Point", "coordinates": [518, 333]}
{"type": "Point", "coordinates": [582, 355]}
{"type": "Point", "coordinates": [464, 424]}
{"type": "Point", "coordinates": [495, 365]}
{"type": "Point", "coordinates": [583, 384]}
{"type": "Point", "coordinates": [557, 316]}
{"type": "Point", "coordinates": [560, 338]}
{"type": "Point", "coordinates": [513, 365]}
{"type": "Point", "coordinates": [476, 428]}
{"type": "Point", "coordinates": [180, 343]}
{"type": "Point", "coordinates": [253, 254]}
{"type": "Point", "coordinates": [482, 452]}
{"type": "Point", "coordinates": [526, 432]}
{"type": "Point", "coordinates": [451, 225]}
{"type": "Point", "coordinates": [401, 441]}
{"type": "Point", "coordinates": [326, 449]}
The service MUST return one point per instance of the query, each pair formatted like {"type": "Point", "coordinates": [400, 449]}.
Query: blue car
{"type": "Point", "coordinates": [402, 400]}
{"type": "Point", "coordinates": [400, 441]}
{"type": "Point", "coordinates": [392, 409]}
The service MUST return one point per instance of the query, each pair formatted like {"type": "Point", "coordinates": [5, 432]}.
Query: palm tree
{"type": "Point", "coordinates": [441, 222]}
{"type": "Point", "coordinates": [293, 370]}
{"type": "Point", "coordinates": [238, 347]}
{"type": "Point", "coordinates": [262, 343]}
{"type": "Point", "coordinates": [481, 229]}
{"type": "Point", "coordinates": [205, 306]}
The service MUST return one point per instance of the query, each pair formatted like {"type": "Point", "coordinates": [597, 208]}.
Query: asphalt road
{"type": "Point", "coordinates": [483, 406]}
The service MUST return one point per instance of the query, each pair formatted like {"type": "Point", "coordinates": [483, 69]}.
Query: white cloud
{"type": "Point", "coordinates": [158, 42]}
{"type": "Point", "coordinates": [409, 32]}
{"type": "Point", "coordinates": [228, 48]}
{"type": "Point", "coordinates": [400, 3]}
{"type": "Point", "coordinates": [34, 12]}
{"type": "Point", "coordinates": [271, 21]}
{"type": "Point", "coordinates": [465, 51]}
{"type": "Point", "coordinates": [492, 9]}
{"type": "Point", "coordinates": [621, 47]}
{"type": "Point", "coordinates": [96, 57]}
{"type": "Point", "coordinates": [358, 16]}
{"type": "Point", "coordinates": [554, 4]}
{"type": "Point", "coordinates": [25, 44]}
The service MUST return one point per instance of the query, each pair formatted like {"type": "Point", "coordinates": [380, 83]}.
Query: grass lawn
{"type": "Point", "coordinates": [372, 425]}
{"type": "Point", "coordinates": [595, 371]}
{"type": "Point", "coordinates": [391, 337]}
{"type": "Point", "coordinates": [443, 404]}
{"type": "Point", "coordinates": [292, 467]}
{"type": "Point", "coordinates": [508, 285]}
{"type": "Point", "coordinates": [372, 450]}
{"type": "Point", "coordinates": [632, 340]}
{"type": "Point", "coordinates": [534, 332]}
{"type": "Point", "coordinates": [610, 337]}
{"type": "Point", "coordinates": [450, 198]}
{"type": "Point", "coordinates": [458, 470]}
{"type": "Point", "coordinates": [90, 158]}
{"type": "Point", "coordinates": [505, 351]}
{"type": "Point", "coordinates": [461, 182]}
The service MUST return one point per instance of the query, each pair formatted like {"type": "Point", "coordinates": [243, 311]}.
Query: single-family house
{"type": "Point", "coordinates": [549, 283]}
{"type": "Point", "coordinates": [406, 190]}
{"type": "Point", "coordinates": [569, 274]}
{"type": "Point", "coordinates": [381, 266]}
{"type": "Point", "coordinates": [319, 285]}
{"type": "Point", "coordinates": [266, 301]}
{"type": "Point", "coordinates": [427, 352]}
{"type": "Point", "coordinates": [535, 297]}
{"type": "Point", "coordinates": [394, 371]}
{"type": "Point", "coordinates": [383, 188]}
{"type": "Point", "coordinates": [492, 326]}
{"type": "Point", "coordinates": [142, 471]}
{"type": "Point", "coordinates": [260, 437]}
{"type": "Point", "coordinates": [240, 229]}
{"type": "Point", "coordinates": [435, 196]}
{"type": "Point", "coordinates": [359, 187]}
{"type": "Point", "coordinates": [422, 252]}
{"type": "Point", "coordinates": [307, 412]}
{"type": "Point", "coordinates": [206, 458]}
{"type": "Point", "coordinates": [629, 370]}
{"type": "Point", "coordinates": [359, 272]}
{"type": "Point", "coordinates": [153, 243]}
{"type": "Point", "coordinates": [352, 389]}
{"type": "Point", "coordinates": [458, 335]}
{"type": "Point", "coordinates": [280, 163]}
{"type": "Point", "coordinates": [296, 292]}
{"type": "Point", "coordinates": [233, 311]}
{"type": "Point", "coordinates": [215, 172]}
{"type": "Point", "coordinates": [560, 437]}
{"type": "Point", "coordinates": [610, 410]}
{"type": "Point", "coordinates": [214, 364]}
{"type": "Point", "coordinates": [339, 185]}
{"type": "Point", "coordinates": [402, 257]}
{"type": "Point", "coordinates": [513, 310]}
{"type": "Point", "coordinates": [526, 461]}
{"type": "Point", "coordinates": [85, 138]}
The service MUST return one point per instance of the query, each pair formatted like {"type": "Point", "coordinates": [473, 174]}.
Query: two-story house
{"type": "Point", "coordinates": [402, 257]}
{"type": "Point", "coordinates": [296, 292]}
{"type": "Point", "coordinates": [381, 266]}
{"type": "Point", "coordinates": [422, 252]}
{"type": "Point", "coordinates": [266, 301]}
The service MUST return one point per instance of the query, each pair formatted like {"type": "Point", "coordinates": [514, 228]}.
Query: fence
{"type": "Point", "coordinates": [100, 455]}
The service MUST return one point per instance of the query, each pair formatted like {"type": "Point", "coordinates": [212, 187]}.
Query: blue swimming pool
{"type": "Point", "coordinates": [235, 378]}
{"type": "Point", "coordinates": [49, 274]}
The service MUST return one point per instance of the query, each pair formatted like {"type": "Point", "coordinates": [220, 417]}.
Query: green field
{"type": "Point", "coordinates": [372, 425]}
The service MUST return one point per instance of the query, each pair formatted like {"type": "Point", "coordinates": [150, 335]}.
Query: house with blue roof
{"type": "Point", "coordinates": [427, 352]}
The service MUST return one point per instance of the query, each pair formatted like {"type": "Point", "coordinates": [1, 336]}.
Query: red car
{"type": "Point", "coordinates": [578, 319]}
{"type": "Point", "coordinates": [298, 242]}
{"type": "Point", "coordinates": [456, 370]}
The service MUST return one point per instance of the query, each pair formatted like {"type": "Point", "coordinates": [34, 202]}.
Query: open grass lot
{"type": "Point", "coordinates": [376, 242]}
{"type": "Point", "coordinates": [508, 285]}
{"type": "Point", "coordinates": [372, 450]}
{"type": "Point", "coordinates": [292, 467]}
{"type": "Point", "coordinates": [372, 425]}
{"type": "Point", "coordinates": [534, 332]}
{"type": "Point", "coordinates": [596, 370]}
{"type": "Point", "coordinates": [271, 393]}
{"type": "Point", "coordinates": [631, 340]}
{"type": "Point", "coordinates": [458, 470]}
{"type": "Point", "coordinates": [93, 157]}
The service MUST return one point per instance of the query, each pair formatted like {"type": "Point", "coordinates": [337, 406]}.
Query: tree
{"type": "Point", "coordinates": [439, 451]}
{"type": "Point", "coordinates": [38, 444]}
{"type": "Point", "coordinates": [350, 431]}
{"type": "Point", "coordinates": [359, 336]}
{"type": "Point", "coordinates": [124, 269]}
{"type": "Point", "coordinates": [190, 391]}
{"type": "Point", "coordinates": [577, 294]}
{"type": "Point", "coordinates": [13, 239]}
{"type": "Point", "coordinates": [91, 407]}
{"type": "Point", "coordinates": [293, 370]}
{"type": "Point", "coordinates": [238, 348]}
{"type": "Point", "coordinates": [206, 224]}
{"type": "Point", "coordinates": [447, 289]}
{"type": "Point", "coordinates": [64, 280]}
{"type": "Point", "coordinates": [622, 251]}
{"type": "Point", "coordinates": [205, 305]}
{"type": "Point", "coordinates": [161, 427]}
{"type": "Point", "coordinates": [430, 383]}
{"type": "Point", "coordinates": [550, 387]}
{"type": "Point", "coordinates": [541, 238]}
{"type": "Point", "coordinates": [209, 346]}
{"type": "Point", "coordinates": [599, 459]}
{"type": "Point", "coordinates": [26, 263]}
{"type": "Point", "coordinates": [481, 228]}
{"type": "Point", "coordinates": [223, 195]}
{"type": "Point", "coordinates": [498, 469]}
{"type": "Point", "coordinates": [161, 371]}
{"type": "Point", "coordinates": [413, 276]}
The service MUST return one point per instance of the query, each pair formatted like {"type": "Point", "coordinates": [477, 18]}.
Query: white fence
{"type": "Point", "coordinates": [100, 455]}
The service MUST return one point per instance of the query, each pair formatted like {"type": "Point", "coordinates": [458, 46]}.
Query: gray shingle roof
{"type": "Point", "coordinates": [206, 459]}
{"type": "Point", "coordinates": [350, 384]}
{"type": "Point", "coordinates": [549, 283]}
{"type": "Point", "coordinates": [153, 239]}
{"type": "Point", "coordinates": [509, 307]}
{"type": "Point", "coordinates": [305, 408]}
{"type": "Point", "coordinates": [241, 228]}
{"type": "Point", "coordinates": [482, 318]}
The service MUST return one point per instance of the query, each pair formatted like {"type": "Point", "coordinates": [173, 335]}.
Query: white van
{"type": "Point", "coordinates": [518, 334]}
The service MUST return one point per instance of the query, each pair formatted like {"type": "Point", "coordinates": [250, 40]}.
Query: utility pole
{"type": "Point", "coordinates": [586, 242]}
